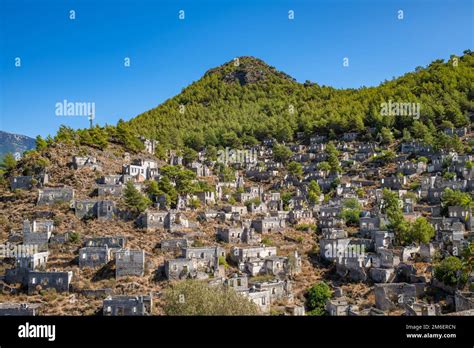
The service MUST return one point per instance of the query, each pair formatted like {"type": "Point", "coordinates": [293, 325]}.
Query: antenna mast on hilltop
{"type": "Point", "coordinates": [91, 119]}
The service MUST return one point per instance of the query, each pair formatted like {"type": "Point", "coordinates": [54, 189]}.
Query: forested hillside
{"type": "Point", "coordinates": [238, 104]}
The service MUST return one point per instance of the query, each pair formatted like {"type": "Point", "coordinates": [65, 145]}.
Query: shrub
{"type": "Point", "coordinates": [450, 271]}
{"type": "Point", "coordinates": [316, 298]}
{"type": "Point", "coordinates": [193, 297]}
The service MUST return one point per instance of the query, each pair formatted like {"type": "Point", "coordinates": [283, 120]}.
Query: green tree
{"type": "Point", "coordinates": [386, 136]}
{"type": "Point", "coordinates": [193, 297]}
{"type": "Point", "coordinates": [421, 231]}
{"type": "Point", "coordinates": [9, 162]}
{"type": "Point", "coordinates": [314, 192]}
{"type": "Point", "coordinates": [295, 169]}
{"type": "Point", "coordinates": [450, 271]}
{"type": "Point", "coordinates": [455, 197]}
{"type": "Point", "coordinates": [134, 199]}
{"type": "Point", "coordinates": [351, 212]}
{"type": "Point", "coordinates": [40, 143]}
{"type": "Point", "coordinates": [324, 166]}
{"type": "Point", "coordinates": [332, 158]}
{"type": "Point", "coordinates": [281, 153]}
{"type": "Point", "coordinates": [316, 298]}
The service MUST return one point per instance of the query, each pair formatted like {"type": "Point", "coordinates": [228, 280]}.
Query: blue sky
{"type": "Point", "coordinates": [83, 59]}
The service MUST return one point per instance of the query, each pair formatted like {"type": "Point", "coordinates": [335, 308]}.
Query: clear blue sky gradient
{"type": "Point", "coordinates": [82, 59]}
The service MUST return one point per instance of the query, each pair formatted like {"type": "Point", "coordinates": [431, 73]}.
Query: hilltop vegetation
{"type": "Point", "coordinates": [235, 105]}
{"type": "Point", "coordinates": [240, 104]}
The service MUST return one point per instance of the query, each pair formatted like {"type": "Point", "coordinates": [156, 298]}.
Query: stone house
{"type": "Point", "coordinates": [206, 253]}
{"type": "Point", "coordinates": [85, 161]}
{"type": "Point", "coordinates": [330, 222]}
{"type": "Point", "coordinates": [28, 181]}
{"type": "Point", "coordinates": [464, 214]}
{"type": "Point", "coordinates": [301, 216]}
{"type": "Point", "coordinates": [422, 309]}
{"type": "Point", "coordinates": [206, 197]}
{"type": "Point", "coordinates": [242, 254]}
{"type": "Point", "coordinates": [238, 209]}
{"type": "Point", "coordinates": [201, 170]}
{"type": "Point", "coordinates": [19, 309]}
{"type": "Point", "coordinates": [150, 145]}
{"type": "Point", "coordinates": [125, 305]}
{"type": "Point", "coordinates": [463, 301]}
{"type": "Point", "coordinates": [180, 268]}
{"type": "Point", "coordinates": [89, 209]}
{"type": "Point", "coordinates": [350, 136]}
{"type": "Point", "coordinates": [105, 190]}
{"type": "Point", "coordinates": [51, 195]}
{"type": "Point", "coordinates": [153, 220]}
{"type": "Point", "coordinates": [383, 239]}
{"type": "Point", "coordinates": [395, 182]}
{"type": "Point", "coordinates": [368, 225]}
{"type": "Point", "coordinates": [93, 257]}
{"type": "Point", "coordinates": [390, 296]}
{"type": "Point", "coordinates": [411, 168]}
{"type": "Point", "coordinates": [278, 289]}
{"type": "Point", "coordinates": [237, 282]}
{"type": "Point", "coordinates": [268, 225]}
{"type": "Point", "coordinates": [337, 306]}
{"type": "Point", "coordinates": [38, 280]}
{"type": "Point", "coordinates": [174, 244]}
{"type": "Point", "coordinates": [418, 148]}
{"type": "Point", "coordinates": [23, 265]}
{"type": "Point", "coordinates": [232, 235]}
{"type": "Point", "coordinates": [260, 298]}
{"type": "Point", "coordinates": [111, 180]}
{"type": "Point", "coordinates": [176, 221]}
{"type": "Point", "coordinates": [85, 209]}
{"type": "Point", "coordinates": [129, 263]}
{"type": "Point", "coordinates": [116, 242]}
{"type": "Point", "coordinates": [38, 232]}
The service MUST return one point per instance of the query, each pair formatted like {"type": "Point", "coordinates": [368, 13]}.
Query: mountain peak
{"type": "Point", "coordinates": [246, 70]}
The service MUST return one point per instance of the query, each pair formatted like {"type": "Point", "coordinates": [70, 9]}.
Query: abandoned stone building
{"type": "Point", "coordinates": [38, 232]}
{"type": "Point", "coordinates": [93, 257]}
{"type": "Point", "coordinates": [152, 220]}
{"type": "Point", "coordinates": [268, 225]}
{"type": "Point", "coordinates": [19, 309]}
{"type": "Point", "coordinates": [278, 289]}
{"type": "Point", "coordinates": [390, 296]}
{"type": "Point", "coordinates": [110, 180]}
{"type": "Point", "coordinates": [123, 305]}
{"type": "Point", "coordinates": [115, 242]}
{"type": "Point", "coordinates": [208, 253]}
{"type": "Point", "coordinates": [88, 209]}
{"type": "Point", "coordinates": [230, 234]}
{"type": "Point", "coordinates": [52, 195]}
{"type": "Point", "coordinates": [242, 254]}
{"type": "Point", "coordinates": [129, 263]}
{"type": "Point", "coordinates": [238, 282]}
{"type": "Point", "coordinates": [180, 268]}
{"type": "Point", "coordinates": [260, 298]}
{"type": "Point", "coordinates": [60, 281]}
{"type": "Point", "coordinates": [206, 197]}
{"type": "Point", "coordinates": [23, 265]}
{"type": "Point", "coordinates": [26, 182]}
{"type": "Point", "coordinates": [85, 161]}
{"type": "Point", "coordinates": [150, 145]}
{"type": "Point", "coordinates": [463, 300]}
{"type": "Point", "coordinates": [174, 244]}
{"type": "Point", "coordinates": [106, 190]}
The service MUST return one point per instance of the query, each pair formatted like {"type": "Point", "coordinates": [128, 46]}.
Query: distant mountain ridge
{"type": "Point", "coordinates": [14, 143]}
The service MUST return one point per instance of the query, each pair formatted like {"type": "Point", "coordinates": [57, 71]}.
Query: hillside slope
{"type": "Point", "coordinates": [240, 103]}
